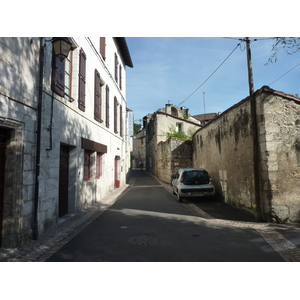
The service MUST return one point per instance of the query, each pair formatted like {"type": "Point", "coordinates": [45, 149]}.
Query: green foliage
{"type": "Point", "coordinates": [136, 127]}
{"type": "Point", "coordinates": [290, 44]}
{"type": "Point", "coordinates": [172, 133]}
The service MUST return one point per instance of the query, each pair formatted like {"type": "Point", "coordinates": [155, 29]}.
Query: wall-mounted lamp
{"type": "Point", "coordinates": [61, 46]}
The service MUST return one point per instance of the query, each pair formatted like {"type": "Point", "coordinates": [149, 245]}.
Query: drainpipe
{"type": "Point", "coordinates": [38, 139]}
{"type": "Point", "coordinates": [254, 134]}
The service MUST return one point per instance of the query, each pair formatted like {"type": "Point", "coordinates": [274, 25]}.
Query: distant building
{"type": "Point", "coordinates": [158, 123]}
{"type": "Point", "coordinates": [205, 118]}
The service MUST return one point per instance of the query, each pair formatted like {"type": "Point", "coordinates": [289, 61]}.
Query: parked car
{"type": "Point", "coordinates": [192, 182]}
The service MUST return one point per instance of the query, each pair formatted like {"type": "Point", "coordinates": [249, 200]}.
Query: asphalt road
{"type": "Point", "coordinates": [147, 224]}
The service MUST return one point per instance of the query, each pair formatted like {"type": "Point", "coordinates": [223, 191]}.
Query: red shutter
{"type": "Point", "coordinates": [82, 79]}
{"type": "Point", "coordinates": [116, 67]}
{"type": "Point", "coordinates": [121, 121]}
{"type": "Point", "coordinates": [116, 115]}
{"type": "Point", "coordinates": [97, 96]}
{"type": "Point", "coordinates": [58, 75]}
{"type": "Point", "coordinates": [107, 106]}
{"type": "Point", "coordinates": [102, 47]}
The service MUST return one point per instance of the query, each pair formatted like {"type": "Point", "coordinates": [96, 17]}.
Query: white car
{"type": "Point", "coordinates": [192, 182]}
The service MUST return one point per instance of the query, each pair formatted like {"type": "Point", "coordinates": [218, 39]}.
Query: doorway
{"type": "Point", "coordinates": [63, 196]}
{"type": "Point", "coordinates": [117, 174]}
{"type": "Point", "coordinates": [4, 136]}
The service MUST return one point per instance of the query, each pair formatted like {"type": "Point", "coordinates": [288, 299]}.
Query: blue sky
{"type": "Point", "coordinates": [172, 68]}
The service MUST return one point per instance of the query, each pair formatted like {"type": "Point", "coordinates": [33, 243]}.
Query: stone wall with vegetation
{"type": "Point", "coordinates": [172, 155]}
{"type": "Point", "coordinates": [224, 148]}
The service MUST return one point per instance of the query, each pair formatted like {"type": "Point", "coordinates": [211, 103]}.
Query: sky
{"type": "Point", "coordinates": [173, 68]}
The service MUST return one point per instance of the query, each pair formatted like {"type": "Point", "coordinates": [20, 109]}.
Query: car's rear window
{"type": "Point", "coordinates": [195, 177]}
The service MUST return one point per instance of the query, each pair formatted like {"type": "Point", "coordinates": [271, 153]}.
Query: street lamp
{"type": "Point", "coordinates": [61, 46]}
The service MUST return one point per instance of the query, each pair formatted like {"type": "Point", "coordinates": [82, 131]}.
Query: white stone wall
{"type": "Point", "coordinates": [70, 124]}
{"type": "Point", "coordinates": [64, 123]}
{"type": "Point", "coordinates": [19, 69]}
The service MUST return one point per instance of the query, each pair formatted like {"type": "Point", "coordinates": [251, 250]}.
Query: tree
{"type": "Point", "coordinates": [290, 44]}
{"type": "Point", "coordinates": [136, 127]}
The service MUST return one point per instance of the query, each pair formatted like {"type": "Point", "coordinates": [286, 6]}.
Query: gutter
{"type": "Point", "coordinates": [38, 140]}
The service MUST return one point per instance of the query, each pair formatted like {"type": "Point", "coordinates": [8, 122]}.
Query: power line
{"type": "Point", "coordinates": [210, 75]}
{"type": "Point", "coordinates": [284, 74]}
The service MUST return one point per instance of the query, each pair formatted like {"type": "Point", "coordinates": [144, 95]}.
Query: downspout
{"type": "Point", "coordinates": [38, 139]}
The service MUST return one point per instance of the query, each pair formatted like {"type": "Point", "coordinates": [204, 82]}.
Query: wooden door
{"type": "Point", "coordinates": [63, 181]}
{"type": "Point", "coordinates": [2, 164]}
{"type": "Point", "coordinates": [117, 179]}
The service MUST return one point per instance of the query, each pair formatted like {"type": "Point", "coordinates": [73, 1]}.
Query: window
{"type": "Point", "coordinates": [98, 97]}
{"type": "Point", "coordinates": [115, 115]}
{"type": "Point", "coordinates": [121, 121]}
{"type": "Point", "coordinates": [87, 174]}
{"type": "Point", "coordinates": [82, 80]}
{"type": "Point", "coordinates": [179, 127]}
{"type": "Point", "coordinates": [68, 75]}
{"type": "Point", "coordinates": [107, 107]}
{"type": "Point", "coordinates": [120, 77]}
{"type": "Point", "coordinates": [61, 76]}
{"type": "Point", "coordinates": [99, 165]}
{"type": "Point", "coordinates": [102, 47]}
{"type": "Point", "coordinates": [116, 67]}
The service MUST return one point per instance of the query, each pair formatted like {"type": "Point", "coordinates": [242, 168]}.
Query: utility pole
{"type": "Point", "coordinates": [254, 133]}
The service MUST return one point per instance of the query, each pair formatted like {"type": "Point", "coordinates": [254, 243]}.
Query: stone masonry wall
{"type": "Point", "coordinates": [172, 155]}
{"type": "Point", "coordinates": [279, 115]}
{"type": "Point", "coordinates": [224, 149]}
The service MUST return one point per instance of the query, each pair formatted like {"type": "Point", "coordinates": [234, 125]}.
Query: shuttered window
{"type": "Point", "coordinates": [102, 47]}
{"type": "Point", "coordinates": [99, 165]}
{"type": "Point", "coordinates": [82, 80]}
{"type": "Point", "coordinates": [97, 101]}
{"type": "Point", "coordinates": [107, 107]}
{"type": "Point", "coordinates": [58, 73]}
{"type": "Point", "coordinates": [87, 172]}
{"type": "Point", "coordinates": [121, 121]}
{"type": "Point", "coordinates": [120, 75]}
{"type": "Point", "coordinates": [116, 67]}
{"type": "Point", "coordinates": [115, 115]}
{"type": "Point", "coordinates": [68, 75]}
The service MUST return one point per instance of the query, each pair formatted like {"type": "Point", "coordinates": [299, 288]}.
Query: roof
{"type": "Point", "coordinates": [203, 117]}
{"type": "Point", "coordinates": [121, 42]}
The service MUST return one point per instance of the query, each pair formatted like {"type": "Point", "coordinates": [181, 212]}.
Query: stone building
{"type": "Point", "coordinates": [158, 124]}
{"type": "Point", "coordinates": [139, 149]}
{"type": "Point", "coordinates": [225, 148]}
{"type": "Point", "coordinates": [62, 130]}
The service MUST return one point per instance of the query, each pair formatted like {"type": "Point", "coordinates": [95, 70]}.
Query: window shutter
{"type": "Point", "coordinates": [116, 67]}
{"type": "Point", "coordinates": [107, 106]}
{"type": "Point", "coordinates": [121, 121]}
{"type": "Point", "coordinates": [97, 96]}
{"type": "Point", "coordinates": [102, 47]}
{"type": "Point", "coordinates": [58, 73]}
{"type": "Point", "coordinates": [116, 115]}
{"type": "Point", "coordinates": [82, 79]}
{"type": "Point", "coordinates": [120, 75]}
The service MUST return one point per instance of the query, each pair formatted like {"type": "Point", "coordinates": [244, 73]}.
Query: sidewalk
{"type": "Point", "coordinates": [68, 227]}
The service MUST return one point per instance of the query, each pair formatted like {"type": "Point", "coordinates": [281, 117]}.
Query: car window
{"type": "Point", "coordinates": [195, 177]}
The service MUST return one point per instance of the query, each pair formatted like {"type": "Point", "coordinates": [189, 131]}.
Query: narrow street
{"type": "Point", "coordinates": [147, 224]}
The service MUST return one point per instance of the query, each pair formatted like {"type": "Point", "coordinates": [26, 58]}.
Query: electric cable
{"type": "Point", "coordinates": [284, 74]}
{"type": "Point", "coordinates": [211, 74]}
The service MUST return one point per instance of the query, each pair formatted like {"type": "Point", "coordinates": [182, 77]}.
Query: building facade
{"type": "Point", "coordinates": [158, 124]}
{"type": "Point", "coordinates": [63, 130]}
